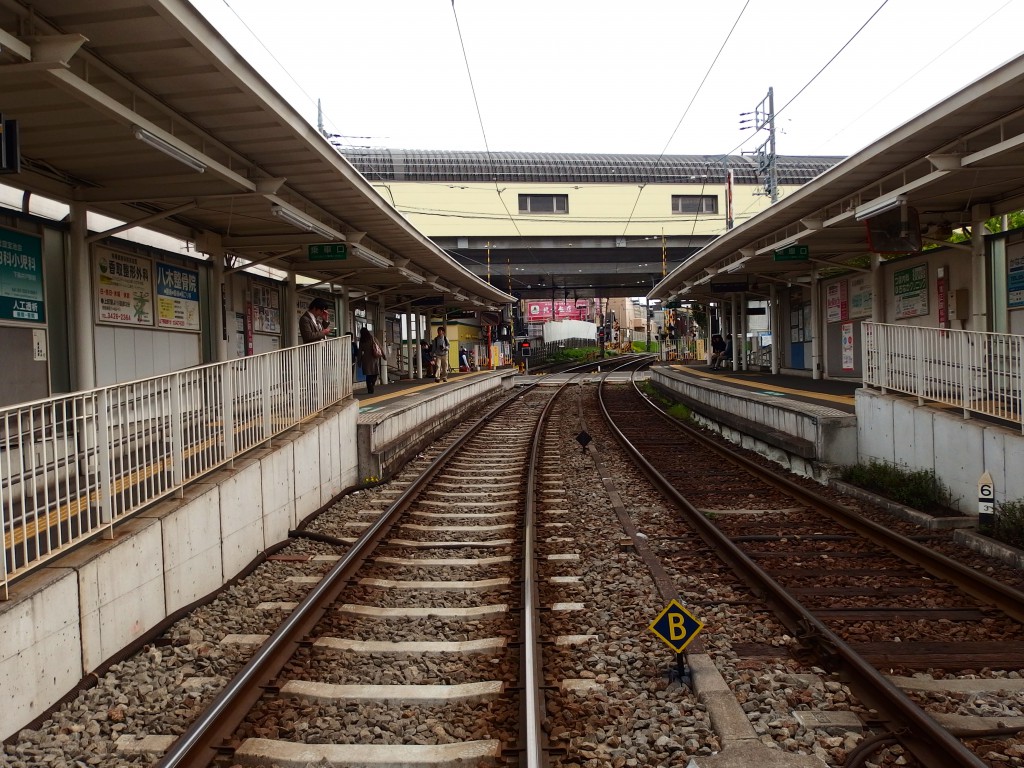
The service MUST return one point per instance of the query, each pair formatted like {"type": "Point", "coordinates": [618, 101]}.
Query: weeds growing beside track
{"type": "Point", "coordinates": [920, 488]}
{"type": "Point", "coordinates": [1009, 524]}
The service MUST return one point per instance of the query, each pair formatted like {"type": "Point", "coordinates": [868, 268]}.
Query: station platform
{"type": "Point", "coordinates": [402, 417]}
{"type": "Point", "coordinates": [836, 393]}
{"type": "Point", "coordinates": [808, 425]}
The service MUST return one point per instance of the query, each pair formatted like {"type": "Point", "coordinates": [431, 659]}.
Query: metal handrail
{"type": "Point", "coordinates": [976, 371]}
{"type": "Point", "coordinates": [73, 466]}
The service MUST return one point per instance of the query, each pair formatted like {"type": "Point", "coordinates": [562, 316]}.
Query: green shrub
{"type": "Point", "coordinates": [919, 489]}
{"type": "Point", "coordinates": [642, 346]}
{"type": "Point", "coordinates": [573, 355]}
{"type": "Point", "coordinates": [1009, 523]}
{"type": "Point", "coordinates": [680, 411]}
{"type": "Point", "coordinates": [673, 408]}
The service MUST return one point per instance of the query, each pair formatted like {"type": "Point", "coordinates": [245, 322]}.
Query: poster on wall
{"type": "Point", "coordinates": [1015, 279]}
{"type": "Point", "coordinates": [21, 277]}
{"type": "Point", "coordinates": [910, 289]}
{"type": "Point", "coordinates": [266, 309]}
{"type": "Point", "coordinates": [847, 332]}
{"type": "Point", "coordinates": [124, 288]}
{"type": "Point", "coordinates": [860, 296]}
{"type": "Point", "coordinates": [796, 330]}
{"type": "Point", "coordinates": [837, 308]}
{"type": "Point", "coordinates": [177, 297]}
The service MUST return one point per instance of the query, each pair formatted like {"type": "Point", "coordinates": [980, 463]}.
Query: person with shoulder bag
{"type": "Point", "coordinates": [370, 355]}
{"type": "Point", "coordinates": [439, 348]}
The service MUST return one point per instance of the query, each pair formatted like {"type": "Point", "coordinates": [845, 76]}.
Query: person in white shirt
{"type": "Point", "coordinates": [439, 347]}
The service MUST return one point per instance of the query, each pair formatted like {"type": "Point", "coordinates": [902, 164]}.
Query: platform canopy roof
{"type": "Point", "coordinates": [140, 110]}
{"type": "Point", "coordinates": [958, 162]}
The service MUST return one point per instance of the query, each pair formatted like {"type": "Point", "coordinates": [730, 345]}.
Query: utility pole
{"type": "Point", "coordinates": [664, 253]}
{"type": "Point", "coordinates": [764, 117]}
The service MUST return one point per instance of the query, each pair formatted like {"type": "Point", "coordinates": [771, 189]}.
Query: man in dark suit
{"type": "Point", "coordinates": [314, 325]}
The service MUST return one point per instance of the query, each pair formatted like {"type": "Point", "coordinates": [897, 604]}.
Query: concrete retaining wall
{"type": "Point", "coordinates": [64, 621]}
{"type": "Point", "coordinates": [388, 437]}
{"type": "Point", "coordinates": [899, 431]}
{"type": "Point", "coordinates": [807, 439]}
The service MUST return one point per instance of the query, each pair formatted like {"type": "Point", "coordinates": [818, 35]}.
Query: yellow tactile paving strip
{"type": "Point", "coordinates": [762, 387]}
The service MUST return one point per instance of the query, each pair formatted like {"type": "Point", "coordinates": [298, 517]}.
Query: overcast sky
{"type": "Point", "coordinates": [617, 77]}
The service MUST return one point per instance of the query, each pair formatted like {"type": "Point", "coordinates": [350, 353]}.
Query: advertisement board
{"type": "Point", "coordinates": [21, 277]}
{"type": "Point", "coordinates": [177, 297]}
{"type": "Point", "coordinates": [123, 286]}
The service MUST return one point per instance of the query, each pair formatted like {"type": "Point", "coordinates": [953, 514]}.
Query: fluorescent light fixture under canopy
{"type": "Point", "coordinates": [412, 277]}
{"type": "Point", "coordinates": [373, 259]}
{"type": "Point", "coordinates": [299, 221]}
{"type": "Point", "coordinates": [168, 149]}
{"type": "Point", "coordinates": [878, 206]}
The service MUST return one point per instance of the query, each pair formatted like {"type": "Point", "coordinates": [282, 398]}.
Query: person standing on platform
{"type": "Point", "coordinates": [314, 325]}
{"type": "Point", "coordinates": [370, 355]}
{"type": "Point", "coordinates": [427, 357]}
{"type": "Point", "coordinates": [439, 348]}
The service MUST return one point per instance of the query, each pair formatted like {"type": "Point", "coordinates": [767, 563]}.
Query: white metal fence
{"type": "Point", "coordinates": [72, 466]}
{"type": "Point", "coordinates": [978, 372]}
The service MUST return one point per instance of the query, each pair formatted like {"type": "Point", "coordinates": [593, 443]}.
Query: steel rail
{"type": "Point", "coordinates": [203, 740]}
{"type": "Point", "coordinates": [926, 739]}
{"type": "Point", "coordinates": [985, 588]}
{"type": "Point", "coordinates": [533, 705]}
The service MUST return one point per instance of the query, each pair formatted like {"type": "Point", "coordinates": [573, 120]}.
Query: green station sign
{"type": "Point", "coordinates": [327, 251]}
{"type": "Point", "coordinates": [793, 253]}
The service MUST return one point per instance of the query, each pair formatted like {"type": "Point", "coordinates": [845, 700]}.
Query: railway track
{"type": "Point", "coordinates": [426, 627]}
{"type": "Point", "coordinates": [609, 693]}
{"type": "Point", "coordinates": [879, 606]}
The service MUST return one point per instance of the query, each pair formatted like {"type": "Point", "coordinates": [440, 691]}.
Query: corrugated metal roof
{"type": "Point", "coordinates": [381, 164]}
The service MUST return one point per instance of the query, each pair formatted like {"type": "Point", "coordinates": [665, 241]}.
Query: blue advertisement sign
{"type": "Point", "coordinates": [21, 277]}
{"type": "Point", "coordinates": [1015, 281]}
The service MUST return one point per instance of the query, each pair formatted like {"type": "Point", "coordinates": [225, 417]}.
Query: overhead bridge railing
{"type": "Point", "coordinates": [977, 372]}
{"type": "Point", "coordinates": [72, 466]}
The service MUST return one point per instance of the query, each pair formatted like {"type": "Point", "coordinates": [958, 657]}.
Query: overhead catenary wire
{"type": "Point", "coordinates": [942, 52]}
{"type": "Point", "coordinates": [685, 113]}
{"type": "Point", "coordinates": [816, 74]}
{"type": "Point", "coordinates": [483, 132]}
